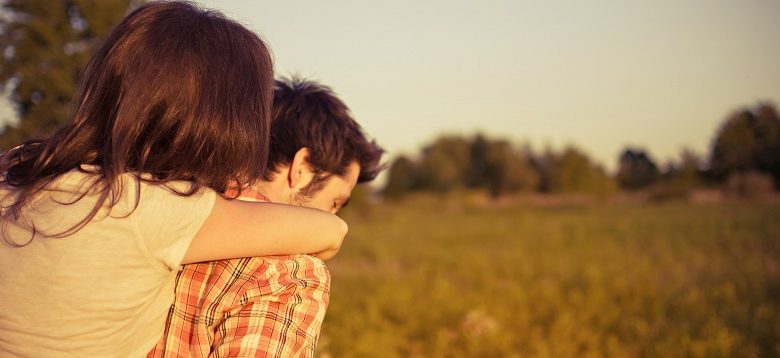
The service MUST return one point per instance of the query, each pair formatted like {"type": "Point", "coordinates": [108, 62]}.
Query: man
{"type": "Point", "coordinates": [274, 306]}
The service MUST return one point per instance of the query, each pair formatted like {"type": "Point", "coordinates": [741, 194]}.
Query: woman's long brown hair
{"type": "Point", "coordinates": [175, 92]}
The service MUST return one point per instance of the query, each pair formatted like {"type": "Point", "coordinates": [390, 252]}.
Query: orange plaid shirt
{"type": "Point", "coordinates": [249, 307]}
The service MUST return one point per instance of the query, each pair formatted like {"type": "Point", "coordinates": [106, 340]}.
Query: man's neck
{"type": "Point", "coordinates": [272, 190]}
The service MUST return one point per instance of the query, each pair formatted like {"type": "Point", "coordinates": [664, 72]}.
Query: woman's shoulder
{"type": "Point", "coordinates": [127, 192]}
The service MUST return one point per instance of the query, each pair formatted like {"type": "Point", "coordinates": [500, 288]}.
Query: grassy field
{"type": "Point", "coordinates": [448, 278]}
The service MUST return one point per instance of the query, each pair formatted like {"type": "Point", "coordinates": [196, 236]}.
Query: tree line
{"type": "Point", "coordinates": [45, 44]}
{"type": "Point", "coordinates": [744, 156]}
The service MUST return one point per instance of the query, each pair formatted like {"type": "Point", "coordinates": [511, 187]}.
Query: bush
{"type": "Point", "coordinates": [750, 184]}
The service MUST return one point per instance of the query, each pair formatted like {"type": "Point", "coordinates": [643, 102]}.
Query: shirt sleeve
{"type": "Point", "coordinates": [279, 317]}
{"type": "Point", "coordinates": [167, 222]}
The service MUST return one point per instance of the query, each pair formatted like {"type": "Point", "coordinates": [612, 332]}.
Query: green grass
{"type": "Point", "coordinates": [443, 278]}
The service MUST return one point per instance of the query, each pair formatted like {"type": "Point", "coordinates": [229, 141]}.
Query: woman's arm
{"type": "Point", "coordinates": [243, 229]}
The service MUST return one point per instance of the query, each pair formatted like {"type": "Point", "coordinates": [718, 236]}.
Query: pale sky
{"type": "Point", "coordinates": [597, 74]}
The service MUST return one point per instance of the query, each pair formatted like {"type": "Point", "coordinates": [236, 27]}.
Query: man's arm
{"type": "Point", "coordinates": [281, 315]}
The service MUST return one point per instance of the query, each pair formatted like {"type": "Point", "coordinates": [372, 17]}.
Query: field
{"type": "Point", "coordinates": [432, 277]}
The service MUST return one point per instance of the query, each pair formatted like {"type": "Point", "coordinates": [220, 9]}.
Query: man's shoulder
{"type": "Point", "coordinates": [253, 264]}
{"type": "Point", "coordinates": [225, 285]}
{"type": "Point", "coordinates": [301, 269]}
{"type": "Point", "coordinates": [295, 260]}
{"type": "Point", "coordinates": [240, 275]}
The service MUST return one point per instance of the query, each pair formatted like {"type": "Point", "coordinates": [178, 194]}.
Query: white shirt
{"type": "Point", "coordinates": [104, 290]}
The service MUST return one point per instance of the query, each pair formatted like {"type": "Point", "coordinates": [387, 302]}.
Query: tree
{"type": "Point", "coordinates": [636, 170]}
{"type": "Point", "coordinates": [445, 164]}
{"type": "Point", "coordinates": [749, 140]}
{"type": "Point", "coordinates": [507, 170]}
{"type": "Point", "coordinates": [45, 46]}
{"type": "Point", "coordinates": [573, 172]}
{"type": "Point", "coordinates": [401, 177]}
{"type": "Point", "coordinates": [679, 178]}
{"type": "Point", "coordinates": [478, 169]}
{"type": "Point", "coordinates": [686, 173]}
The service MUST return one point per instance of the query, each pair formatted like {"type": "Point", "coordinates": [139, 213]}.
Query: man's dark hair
{"type": "Point", "coordinates": [307, 114]}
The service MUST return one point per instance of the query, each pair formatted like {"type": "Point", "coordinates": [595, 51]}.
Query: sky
{"type": "Point", "coordinates": [600, 75]}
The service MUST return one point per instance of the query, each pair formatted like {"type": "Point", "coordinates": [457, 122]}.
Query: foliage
{"type": "Point", "coordinates": [686, 173]}
{"type": "Point", "coordinates": [636, 170]}
{"type": "Point", "coordinates": [679, 179]}
{"type": "Point", "coordinates": [417, 278]}
{"type": "Point", "coordinates": [445, 164]}
{"type": "Point", "coordinates": [401, 177]}
{"type": "Point", "coordinates": [506, 170]}
{"type": "Point", "coordinates": [457, 162]}
{"type": "Point", "coordinates": [571, 171]}
{"type": "Point", "coordinates": [750, 184]}
{"type": "Point", "coordinates": [45, 45]}
{"type": "Point", "coordinates": [748, 140]}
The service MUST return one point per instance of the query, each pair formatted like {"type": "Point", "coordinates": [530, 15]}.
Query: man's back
{"type": "Point", "coordinates": [260, 306]}
{"type": "Point", "coordinates": [250, 307]}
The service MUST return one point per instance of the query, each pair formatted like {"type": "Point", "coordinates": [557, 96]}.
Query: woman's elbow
{"type": "Point", "coordinates": [335, 244]}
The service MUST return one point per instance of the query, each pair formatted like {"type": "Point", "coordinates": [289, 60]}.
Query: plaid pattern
{"type": "Point", "coordinates": [249, 307]}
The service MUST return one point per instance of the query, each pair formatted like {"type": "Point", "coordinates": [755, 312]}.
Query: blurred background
{"type": "Point", "coordinates": [565, 178]}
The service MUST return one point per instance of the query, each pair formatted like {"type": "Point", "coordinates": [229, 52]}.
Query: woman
{"type": "Point", "coordinates": [97, 218]}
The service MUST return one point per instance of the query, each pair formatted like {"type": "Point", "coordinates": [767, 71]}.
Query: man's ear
{"type": "Point", "coordinates": [301, 173]}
